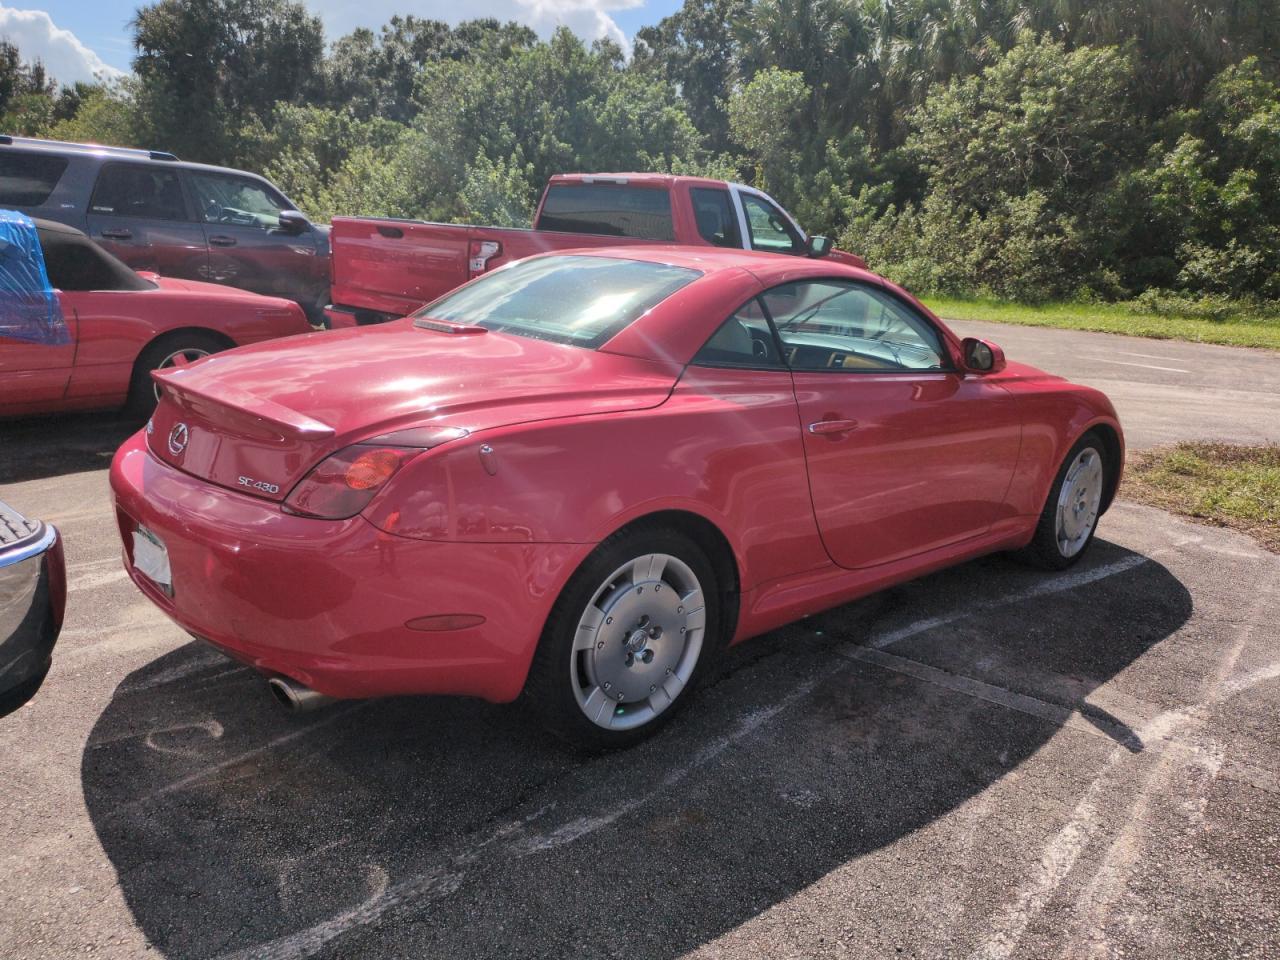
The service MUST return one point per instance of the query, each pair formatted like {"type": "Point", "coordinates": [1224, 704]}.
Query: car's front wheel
{"type": "Point", "coordinates": [1070, 516]}
{"type": "Point", "coordinates": [628, 639]}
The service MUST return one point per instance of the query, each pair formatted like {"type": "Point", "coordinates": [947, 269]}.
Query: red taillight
{"type": "Point", "coordinates": [342, 485]}
{"type": "Point", "coordinates": [371, 470]}
{"type": "Point", "coordinates": [482, 251]}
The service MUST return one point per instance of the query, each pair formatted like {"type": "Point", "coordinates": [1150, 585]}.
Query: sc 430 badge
{"type": "Point", "coordinates": [261, 485]}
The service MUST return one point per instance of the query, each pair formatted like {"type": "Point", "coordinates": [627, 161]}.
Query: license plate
{"type": "Point", "coordinates": [151, 558]}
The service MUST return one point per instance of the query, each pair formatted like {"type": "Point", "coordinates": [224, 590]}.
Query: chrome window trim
{"type": "Point", "coordinates": [738, 189]}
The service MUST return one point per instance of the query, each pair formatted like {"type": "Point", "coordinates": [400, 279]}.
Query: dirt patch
{"type": "Point", "coordinates": [1223, 484]}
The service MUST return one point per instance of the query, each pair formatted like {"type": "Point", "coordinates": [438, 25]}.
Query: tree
{"type": "Point", "coordinates": [694, 51]}
{"type": "Point", "coordinates": [26, 93]}
{"type": "Point", "coordinates": [1215, 190]}
{"type": "Point", "coordinates": [208, 67]}
{"type": "Point", "coordinates": [1040, 118]}
{"type": "Point", "coordinates": [375, 76]}
{"type": "Point", "coordinates": [762, 117]}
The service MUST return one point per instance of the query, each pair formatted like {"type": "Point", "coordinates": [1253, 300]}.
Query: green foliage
{"type": "Point", "coordinates": [304, 148]}
{"type": "Point", "coordinates": [498, 192]}
{"type": "Point", "coordinates": [102, 114]}
{"type": "Point", "coordinates": [1217, 483]}
{"type": "Point", "coordinates": [694, 50]}
{"type": "Point", "coordinates": [206, 67]}
{"type": "Point", "coordinates": [1042, 151]}
{"type": "Point", "coordinates": [1041, 118]}
{"type": "Point", "coordinates": [762, 117]}
{"type": "Point", "coordinates": [1215, 189]}
{"type": "Point", "coordinates": [1019, 161]}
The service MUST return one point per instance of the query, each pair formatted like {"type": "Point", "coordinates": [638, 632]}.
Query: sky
{"type": "Point", "coordinates": [82, 39]}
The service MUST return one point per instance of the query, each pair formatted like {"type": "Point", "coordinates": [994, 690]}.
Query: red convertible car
{"type": "Point", "coordinates": [581, 476]}
{"type": "Point", "coordinates": [106, 327]}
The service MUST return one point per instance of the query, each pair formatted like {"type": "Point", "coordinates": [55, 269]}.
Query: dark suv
{"type": "Point", "coordinates": [177, 219]}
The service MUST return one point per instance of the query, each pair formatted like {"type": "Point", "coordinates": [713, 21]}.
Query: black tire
{"type": "Point", "coordinates": [142, 397]}
{"type": "Point", "coordinates": [1045, 551]}
{"type": "Point", "coordinates": [552, 690]}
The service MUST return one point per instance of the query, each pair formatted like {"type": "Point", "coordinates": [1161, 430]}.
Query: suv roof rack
{"type": "Point", "coordinates": [9, 139]}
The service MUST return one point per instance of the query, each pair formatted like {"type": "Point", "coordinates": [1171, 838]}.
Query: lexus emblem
{"type": "Point", "coordinates": [178, 437]}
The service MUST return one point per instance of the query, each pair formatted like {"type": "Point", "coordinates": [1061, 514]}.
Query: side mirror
{"type": "Point", "coordinates": [820, 246]}
{"type": "Point", "coordinates": [293, 222]}
{"type": "Point", "coordinates": [982, 356]}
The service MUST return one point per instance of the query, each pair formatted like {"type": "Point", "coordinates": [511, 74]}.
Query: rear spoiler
{"type": "Point", "coordinates": [268, 411]}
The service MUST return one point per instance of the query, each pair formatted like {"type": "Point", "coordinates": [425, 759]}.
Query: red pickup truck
{"type": "Point", "coordinates": [383, 268]}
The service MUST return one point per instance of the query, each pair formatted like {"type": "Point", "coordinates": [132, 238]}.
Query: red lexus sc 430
{"type": "Point", "coordinates": [583, 475]}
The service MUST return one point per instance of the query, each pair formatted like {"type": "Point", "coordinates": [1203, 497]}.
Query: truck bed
{"type": "Point", "coordinates": [391, 267]}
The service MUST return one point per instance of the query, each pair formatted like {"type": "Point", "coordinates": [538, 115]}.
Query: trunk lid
{"type": "Point", "coordinates": [257, 419]}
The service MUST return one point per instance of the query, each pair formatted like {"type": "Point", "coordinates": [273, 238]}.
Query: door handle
{"type": "Point", "coordinates": [221, 240]}
{"type": "Point", "coordinates": [831, 427]}
{"type": "Point", "coordinates": [118, 233]}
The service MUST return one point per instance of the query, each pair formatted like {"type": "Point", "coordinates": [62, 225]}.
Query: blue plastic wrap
{"type": "Point", "coordinates": [29, 309]}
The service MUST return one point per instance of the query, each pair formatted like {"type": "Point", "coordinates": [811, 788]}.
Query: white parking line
{"type": "Point", "coordinates": [1148, 366]}
{"type": "Point", "coordinates": [1067, 846]}
{"type": "Point", "coordinates": [1146, 356]}
{"type": "Point", "coordinates": [508, 840]}
{"type": "Point", "coordinates": [448, 872]}
{"type": "Point", "coordinates": [1043, 588]}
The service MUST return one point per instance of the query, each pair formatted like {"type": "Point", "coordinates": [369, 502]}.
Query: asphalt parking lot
{"type": "Point", "coordinates": [989, 762]}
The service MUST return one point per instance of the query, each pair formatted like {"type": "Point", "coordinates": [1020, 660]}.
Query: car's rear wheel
{"type": "Point", "coordinates": [175, 350]}
{"type": "Point", "coordinates": [1070, 516]}
{"type": "Point", "coordinates": [628, 639]}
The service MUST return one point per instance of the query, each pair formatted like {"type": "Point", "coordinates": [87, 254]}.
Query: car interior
{"type": "Point", "coordinates": [76, 263]}
{"type": "Point", "coordinates": [827, 326]}
{"type": "Point", "coordinates": [126, 190]}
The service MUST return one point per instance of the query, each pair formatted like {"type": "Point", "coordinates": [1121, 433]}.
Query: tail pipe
{"type": "Point", "coordinates": [296, 697]}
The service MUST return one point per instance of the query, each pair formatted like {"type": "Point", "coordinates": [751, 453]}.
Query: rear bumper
{"type": "Point", "coordinates": [32, 600]}
{"type": "Point", "coordinates": [328, 602]}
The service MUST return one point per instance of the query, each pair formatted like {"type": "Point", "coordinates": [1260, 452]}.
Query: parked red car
{"type": "Point", "coordinates": [582, 475]}
{"type": "Point", "coordinates": [114, 326]}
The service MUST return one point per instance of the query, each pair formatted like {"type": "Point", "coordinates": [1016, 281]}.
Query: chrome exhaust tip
{"type": "Point", "coordinates": [295, 697]}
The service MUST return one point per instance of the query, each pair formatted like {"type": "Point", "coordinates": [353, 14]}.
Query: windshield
{"type": "Point", "coordinates": [583, 301]}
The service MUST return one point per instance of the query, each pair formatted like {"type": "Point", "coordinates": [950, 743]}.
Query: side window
{"type": "Point", "coordinates": [74, 264]}
{"type": "Point", "coordinates": [236, 201]}
{"type": "Point", "coordinates": [132, 190]}
{"type": "Point", "coordinates": [769, 227]}
{"type": "Point", "coordinates": [27, 179]}
{"type": "Point", "coordinates": [744, 340]}
{"type": "Point", "coordinates": [717, 223]}
{"type": "Point", "coordinates": [608, 209]}
{"type": "Point", "coordinates": [839, 325]}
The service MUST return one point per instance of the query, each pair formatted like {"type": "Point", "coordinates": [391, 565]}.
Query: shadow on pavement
{"type": "Point", "coordinates": [41, 447]}
{"type": "Point", "coordinates": [444, 827]}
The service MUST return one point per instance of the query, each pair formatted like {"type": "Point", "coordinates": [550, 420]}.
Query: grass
{"type": "Point", "coordinates": [1243, 330]}
{"type": "Point", "coordinates": [1216, 483]}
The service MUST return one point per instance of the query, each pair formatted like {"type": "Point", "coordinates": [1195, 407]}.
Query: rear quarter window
{"type": "Point", "coordinates": [27, 179]}
{"type": "Point", "coordinates": [608, 209]}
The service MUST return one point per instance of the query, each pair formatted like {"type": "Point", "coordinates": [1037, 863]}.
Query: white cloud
{"type": "Point", "coordinates": [65, 58]}
{"type": "Point", "coordinates": [589, 19]}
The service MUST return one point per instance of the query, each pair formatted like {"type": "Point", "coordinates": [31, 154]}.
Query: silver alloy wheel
{"type": "Point", "coordinates": [638, 641]}
{"type": "Point", "coordinates": [179, 358]}
{"type": "Point", "coordinates": [1078, 502]}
